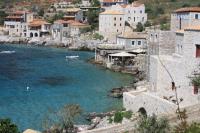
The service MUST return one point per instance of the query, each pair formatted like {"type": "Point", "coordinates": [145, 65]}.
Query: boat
{"type": "Point", "coordinates": [7, 52]}
{"type": "Point", "coordinates": [72, 57]}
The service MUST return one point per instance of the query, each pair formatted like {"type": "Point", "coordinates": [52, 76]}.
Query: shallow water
{"type": "Point", "coordinates": [35, 79]}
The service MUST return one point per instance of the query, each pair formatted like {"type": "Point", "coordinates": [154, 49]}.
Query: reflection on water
{"type": "Point", "coordinates": [55, 80]}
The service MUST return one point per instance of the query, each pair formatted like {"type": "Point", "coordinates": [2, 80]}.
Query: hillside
{"type": "Point", "coordinates": [158, 10]}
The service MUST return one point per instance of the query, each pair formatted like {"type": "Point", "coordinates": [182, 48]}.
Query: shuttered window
{"type": "Point", "coordinates": [197, 51]}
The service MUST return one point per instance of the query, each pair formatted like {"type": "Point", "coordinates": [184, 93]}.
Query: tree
{"type": "Point", "coordinates": [193, 128]}
{"type": "Point", "coordinates": [93, 18]}
{"type": "Point", "coordinates": [6, 126]}
{"type": "Point", "coordinates": [196, 81]}
{"type": "Point", "coordinates": [95, 3]}
{"type": "Point", "coordinates": [2, 17]}
{"type": "Point", "coordinates": [76, 2]}
{"type": "Point", "coordinates": [130, 1]}
{"type": "Point", "coordinates": [152, 124]}
{"type": "Point", "coordinates": [139, 27]}
{"type": "Point", "coordinates": [62, 120]}
{"type": "Point", "coordinates": [41, 12]}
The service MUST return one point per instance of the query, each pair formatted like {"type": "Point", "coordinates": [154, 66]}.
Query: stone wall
{"type": "Point", "coordinates": [152, 104]}
{"type": "Point", "coordinates": [161, 42]}
{"type": "Point", "coordinates": [180, 21]}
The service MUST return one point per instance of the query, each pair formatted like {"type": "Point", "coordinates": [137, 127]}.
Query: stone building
{"type": "Point", "coordinates": [132, 40]}
{"type": "Point", "coordinates": [161, 42]}
{"type": "Point", "coordinates": [111, 23]}
{"type": "Point", "coordinates": [38, 28]}
{"type": "Point", "coordinates": [16, 23]}
{"type": "Point", "coordinates": [59, 30]}
{"type": "Point", "coordinates": [184, 17]}
{"type": "Point", "coordinates": [73, 14]}
{"type": "Point", "coordinates": [173, 61]}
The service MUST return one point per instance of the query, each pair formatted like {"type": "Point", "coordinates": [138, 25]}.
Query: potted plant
{"type": "Point", "coordinates": [196, 84]}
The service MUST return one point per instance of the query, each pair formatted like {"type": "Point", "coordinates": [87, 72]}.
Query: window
{"type": "Point", "coordinates": [129, 18]}
{"type": "Point", "coordinates": [114, 24]}
{"type": "Point", "coordinates": [134, 19]}
{"type": "Point", "coordinates": [114, 18]}
{"type": "Point", "coordinates": [197, 51]}
{"type": "Point", "coordinates": [196, 16]}
{"type": "Point", "coordinates": [133, 42]}
{"type": "Point", "coordinates": [117, 30]}
{"type": "Point", "coordinates": [120, 24]}
{"type": "Point", "coordinates": [140, 11]}
{"type": "Point", "coordinates": [139, 42]}
{"type": "Point", "coordinates": [120, 18]}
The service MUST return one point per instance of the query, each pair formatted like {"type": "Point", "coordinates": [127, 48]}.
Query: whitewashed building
{"type": "Point", "coordinates": [133, 13]}
{"type": "Point", "coordinates": [112, 22]}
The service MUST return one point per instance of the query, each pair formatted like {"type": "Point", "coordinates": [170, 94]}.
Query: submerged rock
{"type": "Point", "coordinates": [117, 92]}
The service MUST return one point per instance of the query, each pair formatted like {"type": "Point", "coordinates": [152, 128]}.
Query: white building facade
{"type": "Point", "coordinates": [134, 13]}
{"type": "Point", "coordinates": [113, 21]}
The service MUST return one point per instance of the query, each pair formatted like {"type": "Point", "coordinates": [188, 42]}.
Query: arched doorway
{"type": "Point", "coordinates": [31, 34]}
{"type": "Point", "coordinates": [143, 111]}
{"type": "Point", "coordinates": [36, 34]}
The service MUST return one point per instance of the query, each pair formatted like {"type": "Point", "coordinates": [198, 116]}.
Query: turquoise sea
{"type": "Point", "coordinates": [52, 82]}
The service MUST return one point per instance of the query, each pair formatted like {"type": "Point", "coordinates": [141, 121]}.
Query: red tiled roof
{"type": "Point", "coordinates": [123, 6]}
{"type": "Point", "coordinates": [13, 17]}
{"type": "Point", "coordinates": [20, 12]}
{"type": "Point", "coordinates": [76, 23]}
{"type": "Point", "coordinates": [61, 21]}
{"type": "Point", "coordinates": [136, 4]}
{"type": "Point", "coordinates": [188, 9]}
{"type": "Point", "coordinates": [197, 27]}
{"type": "Point", "coordinates": [37, 22]}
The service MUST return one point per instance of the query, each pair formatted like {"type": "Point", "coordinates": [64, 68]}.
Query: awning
{"type": "Point", "coordinates": [138, 51]}
{"type": "Point", "coordinates": [122, 54]}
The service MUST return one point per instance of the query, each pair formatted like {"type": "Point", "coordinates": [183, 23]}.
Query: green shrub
{"type": "Point", "coordinates": [6, 126]}
{"type": "Point", "coordinates": [127, 114]}
{"type": "Point", "coordinates": [85, 30]}
{"type": "Point", "coordinates": [98, 36]}
{"type": "Point", "coordinates": [118, 117]}
{"type": "Point", "coordinates": [139, 27]}
{"type": "Point", "coordinates": [110, 119]}
{"type": "Point", "coordinates": [147, 24]}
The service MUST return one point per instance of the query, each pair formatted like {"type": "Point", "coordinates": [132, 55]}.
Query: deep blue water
{"type": "Point", "coordinates": [54, 82]}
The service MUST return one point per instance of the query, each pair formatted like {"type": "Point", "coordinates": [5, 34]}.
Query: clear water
{"type": "Point", "coordinates": [53, 82]}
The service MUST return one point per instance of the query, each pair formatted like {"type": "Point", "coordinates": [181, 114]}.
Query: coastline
{"type": "Point", "coordinates": [39, 46]}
